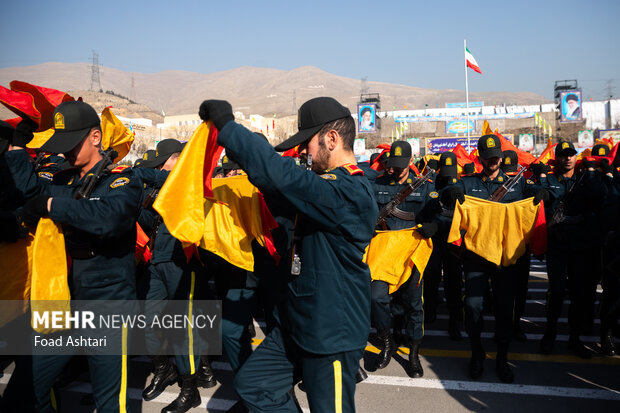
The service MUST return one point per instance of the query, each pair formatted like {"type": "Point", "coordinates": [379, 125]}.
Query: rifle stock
{"type": "Point", "coordinates": [500, 192]}
{"type": "Point", "coordinates": [389, 208]}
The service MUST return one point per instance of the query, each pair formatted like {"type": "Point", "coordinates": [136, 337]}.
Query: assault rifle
{"type": "Point", "coordinates": [500, 192]}
{"type": "Point", "coordinates": [91, 180]}
{"type": "Point", "coordinates": [391, 208]}
{"type": "Point", "coordinates": [558, 214]}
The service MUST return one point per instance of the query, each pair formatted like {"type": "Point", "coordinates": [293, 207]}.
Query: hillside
{"type": "Point", "coordinates": [249, 89]}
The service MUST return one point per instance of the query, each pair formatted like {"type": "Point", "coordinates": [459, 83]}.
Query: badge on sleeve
{"type": "Point", "coordinates": [119, 182]}
{"type": "Point", "coordinates": [434, 194]}
{"type": "Point", "coordinates": [329, 177]}
{"type": "Point", "coordinates": [46, 175]}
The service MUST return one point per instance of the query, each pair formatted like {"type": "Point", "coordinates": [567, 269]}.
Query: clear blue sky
{"type": "Point", "coordinates": [520, 45]}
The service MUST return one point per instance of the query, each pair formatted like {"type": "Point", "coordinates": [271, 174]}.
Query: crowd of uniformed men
{"type": "Point", "coordinates": [319, 302]}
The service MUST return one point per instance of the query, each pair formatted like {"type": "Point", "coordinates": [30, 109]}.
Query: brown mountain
{"type": "Point", "coordinates": [249, 89]}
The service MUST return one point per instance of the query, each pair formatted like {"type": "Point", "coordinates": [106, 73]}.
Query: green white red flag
{"type": "Point", "coordinates": [471, 62]}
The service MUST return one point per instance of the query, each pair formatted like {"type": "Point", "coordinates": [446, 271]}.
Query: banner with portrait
{"type": "Point", "coordinates": [359, 146]}
{"type": "Point", "coordinates": [609, 133]}
{"type": "Point", "coordinates": [415, 146]}
{"type": "Point", "coordinates": [585, 138]}
{"type": "Point", "coordinates": [366, 118]}
{"type": "Point", "coordinates": [570, 106]}
{"type": "Point", "coordinates": [526, 142]}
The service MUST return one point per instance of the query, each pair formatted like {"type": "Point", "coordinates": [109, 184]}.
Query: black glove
{"type": "Point", "coordinates": [541, 195]}
{"type": "Point", "coordinates": [34, 209]}
{"type": "Point", "coordinates": [433, 164]}
{"type": "Point", "coordinates": [606, 167]}
{"type": "Point", "coordinates": [588, 163]}
{"type": "Point", "coordinates": [427, 229]}
{"type": "Point", "coordinates": [469, 168]}
{"type": "Point", "coordinates": [218, 111]}
{"type": "Point", "coordinates": [540, 169]}
{"type": "Point", "coordinates": [24, 132]}
{"type": "Point", "coordinates": [451, 194]}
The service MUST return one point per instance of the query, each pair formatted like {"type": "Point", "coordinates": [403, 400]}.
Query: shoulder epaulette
{"type": "Point", "coordinates": [353, 169]}
{"type": "Point", "coordinates": [48, 164]}
{"type": "Point", "coordinates": [119, 169]}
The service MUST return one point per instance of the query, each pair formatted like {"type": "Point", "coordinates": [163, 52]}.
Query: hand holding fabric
{"type": "Point", "coordinates": [24, 132]}
{"type": "Point", "coordinates": [469, 168]}
{"type": "Point", "coordinates": [541, 195]}
{"type": "Point", "coordinates": [451, 194]}
{"type": "Point", "coordinates": [218, 111]}
{"type": "Point", "coordinates": [34, 209]}
{"type": "Point", "coordinates": [427, 229]}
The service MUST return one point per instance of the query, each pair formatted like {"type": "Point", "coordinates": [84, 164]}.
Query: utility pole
{"type": "Point", "coordinates": [132, 93]}
{"type": "Point", "coordinates": [95, 80]}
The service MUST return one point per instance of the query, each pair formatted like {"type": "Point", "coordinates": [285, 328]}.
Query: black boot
{"type": "Point", "coordinates": [478, 355]}
{"type": "Point", "coordinates": [607, 344]}
{"type": "Point", "coordinates": [415, 367]}
{"type": "Point", "coordinates": [548, 341]}
{"type": "Point", "coordinates": [165, 374]}
{"type": "Point", "coordinates": [361, 375]}
{"type": "Point", "coordinates": [386, 352]}
{"type": "Point", "coordinates": [501, 364]}
{"type": "Point", "coordinates": [205, 379]}
{"type": "Point", "coordinates": [187, 399]}
{"type": "Point", "coordinates": [578, 348]}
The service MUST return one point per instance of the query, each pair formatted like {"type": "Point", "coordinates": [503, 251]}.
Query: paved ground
{"type": "Point", "coordinates": [560, 382]}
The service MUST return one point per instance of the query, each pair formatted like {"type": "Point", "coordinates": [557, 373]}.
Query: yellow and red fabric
{"type": "Point", "coordinates": [115, 135]}
{"type": "Point", "coordinates": [36, 102]}
{"type": "Point", "coordinates": [181, 199]}
{"type": "Point", "coordinates": [391, 256]}
{"type": "Point", "coordinates": [222, 215]}
{"type": "Point", "coordinates": [236, 215]}
{"type": "Point", "coordinates": [292, 153]}
{"type": "Point", "coordinates": [143, 253]}
{"type": "Point", "coordinates": [525, 158]}
{"type": "Point", "coordinates": [499, 232]}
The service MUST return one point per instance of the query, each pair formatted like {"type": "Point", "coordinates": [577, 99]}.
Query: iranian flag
{"type": "Point", "coordinates": [471, 62]}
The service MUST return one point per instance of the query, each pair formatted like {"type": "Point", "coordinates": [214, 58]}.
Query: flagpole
{"type": "Point", "coordinates": [466, 94]}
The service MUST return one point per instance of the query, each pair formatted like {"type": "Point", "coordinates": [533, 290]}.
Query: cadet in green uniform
{"type": "Point", "coordinates": [408, 304]}
{"type": "Point", "coordinates": [610, 301]}
{"type": "Point", "coordinates": [478, 270]}
{"type": "Point", "coordinates": [172, 278]}
{"type": "Point", "coordinates": [444, 259]}
{"type": "Point", "coordinates": [570, 251]}
{"type": "Point", "coordinates": [325, 315]}
{"type": "Point", "coordinates": [100, 236]}
{"type": "Point", "coordinates": [510, 166]}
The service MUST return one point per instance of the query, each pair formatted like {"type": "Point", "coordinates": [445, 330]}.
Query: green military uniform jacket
{"type": "Point", "coordinates": [327, 307]}
{"type": "Point", "coordinates": [100, 232]}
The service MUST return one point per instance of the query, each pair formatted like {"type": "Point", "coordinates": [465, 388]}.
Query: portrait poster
{"type": "Point", "coordinates": [570, 106]}
{"type": "Point", "coordinates": [366, 118]}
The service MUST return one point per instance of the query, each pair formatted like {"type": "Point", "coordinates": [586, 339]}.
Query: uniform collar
{"type": "Point", "coordinates": [501, 177]}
